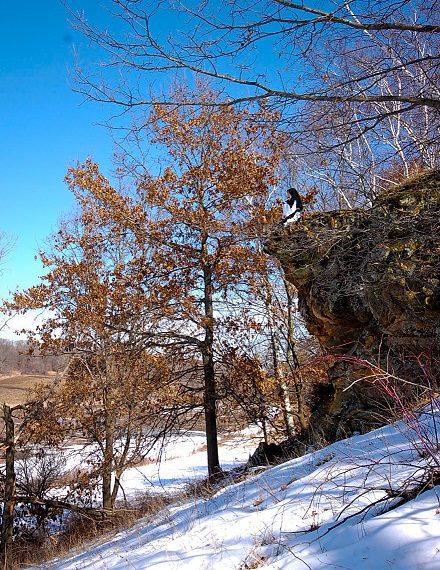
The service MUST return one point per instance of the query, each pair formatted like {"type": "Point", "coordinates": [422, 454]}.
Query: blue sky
{"type": "Point", "coordinates": [45, 127]}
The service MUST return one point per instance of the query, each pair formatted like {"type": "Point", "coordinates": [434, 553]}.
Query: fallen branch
{"type": "Point", "coordinates": [89, 512]}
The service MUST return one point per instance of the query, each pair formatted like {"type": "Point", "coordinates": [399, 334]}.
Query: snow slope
{"type": "Point", "coordinates": [338, 507]}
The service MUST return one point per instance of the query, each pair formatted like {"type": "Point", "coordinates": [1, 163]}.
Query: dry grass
{"type": "Point", "coordinates": [83, 532]}
{"type": "Point", "coordinates": [14, 387]}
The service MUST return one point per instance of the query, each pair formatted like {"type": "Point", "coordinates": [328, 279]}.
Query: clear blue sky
{"type": "Point", "coordinates": [45, 127]}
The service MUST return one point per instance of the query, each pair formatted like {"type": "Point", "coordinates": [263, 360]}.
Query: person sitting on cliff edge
{"type": "Point", "coordinates": [292, 208]}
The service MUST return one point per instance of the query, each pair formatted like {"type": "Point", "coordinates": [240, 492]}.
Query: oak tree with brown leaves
{"type": "Point", "coordinates": [195, 222]}
{"type": "Point", "coordinates": [115, 386]}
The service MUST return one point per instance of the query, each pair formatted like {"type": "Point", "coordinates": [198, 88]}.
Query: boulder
{"type": "Point", "coordinates": [368, 284]}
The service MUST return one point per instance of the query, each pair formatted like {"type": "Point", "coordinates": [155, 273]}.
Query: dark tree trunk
{"type": "Point", "coordinates": [209, 403]}
{"type": "Point", "coordinates": [107, 467]}
{"type": "Point", "coordinates": [8, 499]}
{"type": "Point", "coordinates": [210, 399]}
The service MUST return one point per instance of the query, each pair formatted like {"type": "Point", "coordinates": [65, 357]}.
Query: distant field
{"type": "Point", "coordinates": [13, 388]}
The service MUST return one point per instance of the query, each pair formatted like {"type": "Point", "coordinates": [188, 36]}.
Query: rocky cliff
{"type": "Point", "coordinates": [368, 283]}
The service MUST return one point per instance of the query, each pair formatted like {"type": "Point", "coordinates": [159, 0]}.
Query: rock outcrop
{"type": "Point", "coordinates": [368, 283]}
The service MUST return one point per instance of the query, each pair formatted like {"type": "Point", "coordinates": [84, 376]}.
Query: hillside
{"type": "Point", "coordinates": [365, 503]}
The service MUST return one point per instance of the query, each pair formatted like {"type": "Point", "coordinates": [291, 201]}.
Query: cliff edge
{"type": "Point", "coordinates": [368, 283]}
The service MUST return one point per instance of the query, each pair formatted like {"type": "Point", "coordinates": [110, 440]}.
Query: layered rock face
{"type": "Point", "coordinates": [369, 286]}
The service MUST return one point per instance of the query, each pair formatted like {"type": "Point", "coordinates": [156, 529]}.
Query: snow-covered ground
{"type": "Point", "coordinates": [332, 509]}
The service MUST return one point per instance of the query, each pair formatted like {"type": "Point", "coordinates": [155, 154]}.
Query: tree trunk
{"type": "Point", "coordinates": [116, 486]}
{"type": "Point", "coordinates": [209, 396]}
{"type": "Point", "coordinates": [209, 403]}
{"type": "Point", "coordinates": [283, 388]}
{"type": "Point", "coordinates": [107, 467]}
{"type": "Point", "coordinates": [298, 384]}
{"type": "Point", "coordinates": [8, 500]}
{"type": "Point", "coordinates": [287, 409]}
{"type": "Point", "coordinates": [264, 428]}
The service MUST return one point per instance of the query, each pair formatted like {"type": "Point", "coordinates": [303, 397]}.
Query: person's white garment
{"type": "Point", "coordinates": [288, 211]}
